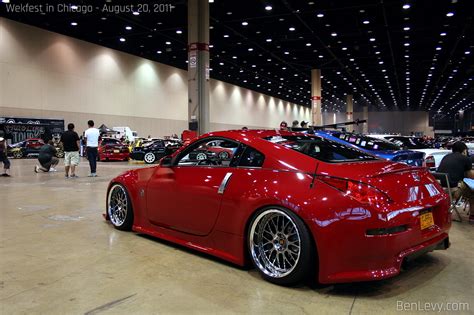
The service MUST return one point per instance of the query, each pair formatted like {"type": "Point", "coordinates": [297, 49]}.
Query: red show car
{"type": "Point", "coordinates": [111, 149]}
{"type": "Point", "coordinates": [297, 206]}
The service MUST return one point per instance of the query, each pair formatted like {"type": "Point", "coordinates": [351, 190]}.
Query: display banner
{"type": "Point", "coordinates": [18, 129]}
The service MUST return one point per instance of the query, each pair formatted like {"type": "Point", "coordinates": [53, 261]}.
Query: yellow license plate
{"type": "Point", "coordinates": [426, 220]}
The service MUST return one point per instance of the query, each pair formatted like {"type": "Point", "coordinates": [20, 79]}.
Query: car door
{"type": "Point", "coordinates": [187, 196]}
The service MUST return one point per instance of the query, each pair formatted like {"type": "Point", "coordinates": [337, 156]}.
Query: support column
{"type": "Point", "coordinates": [365, 116]}
{"type": "Point", "coordinates": [198, 66]}
{"type": "Point", "coordinates": [316, 97]}
{"type": "Point", "coordinates": [349, 112]}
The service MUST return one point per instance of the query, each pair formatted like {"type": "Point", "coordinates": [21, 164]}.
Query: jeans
{"type": "Point", "coordinates": [92, 157]}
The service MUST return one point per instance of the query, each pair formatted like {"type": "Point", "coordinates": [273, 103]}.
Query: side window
{"type": "Point", "coordinates": [251, 158]}
{"type": "Point", "coordinates": [202, 154]}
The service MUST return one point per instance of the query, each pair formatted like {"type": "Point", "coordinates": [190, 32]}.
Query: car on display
{"type": "Point", "coordinates": [153, 151]}
{"type": "Point", "coordinates": [433, 156]}
{"type": "Point", "coordinates": [26, 148]}
{"type": "Point", "coordinates": [111, 149]}
{"type": "Point", "coordinates": [297, 206]}
{"type": "Point", "coordinates": [379, 147]}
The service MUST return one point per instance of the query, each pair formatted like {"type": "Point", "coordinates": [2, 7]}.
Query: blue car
{"type": "Point", "coordinates": [377, 147]}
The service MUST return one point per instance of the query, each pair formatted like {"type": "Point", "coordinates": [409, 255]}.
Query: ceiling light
{"type": "Point", "coordinates": [234, 57]}
{"type": "Point", "coordinates": [159, 52]}
{"type": "Point", "coordinates": [128, 28]}
{"type": "Point", "coordinates": [6, 1]}
{"type": "Point", "coordinates": [365, 22]}
{"type": "Point", "coordinates": [320, 15]}
{"type": "Point", "coordinates": [73, 7]}
{"type": "Point", "coordinates": [308, 44]}
{"type": "Point", "coordinates": [136, 13]}
{"type": "Point", "coordinates": [372, 39]}
{"type": "Point", "coordinates": [286, 53]}
{"type": "Point", "coordinates": [74, 23]}
{"type": "Point", "coordinates": [168, 43]}
{"type": "Point", "coordinates": [226, 36]}
{"type": "Point", "coordinates": [291, 29]}
{"type": "Point", "coordinates": [179, 32]}
{"type": "Point", "coordinates": [320, 56]}
{"type": "Point", "coordinates": [406, 44]}
{"type": "Point", "coordinates": [406, 28]}
{"type": "Point", "coordinates": [268, 40]}
{"type": "Point", "coordinates": [268, 8]}
{"type": "Point", "coordinates": [333, 34]}
{"type": "Point", "coordinates": [467, 52]}
{"type": "Point", "coordinates": [438, 48]}
{"type": "Point", "coordinates": [122, 39]}
{"type": "Point", "coordinates": [449, 14]}
{"type": "Point", "coordinates": [406, 6]}
{"type": "Point", "coordinates": [245, 23]}
{"type": "Point", "coordinates": [250, 49]}
{"type": "Point", "coordinates": [442, 34]}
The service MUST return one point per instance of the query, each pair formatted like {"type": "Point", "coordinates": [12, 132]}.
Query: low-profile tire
{"type": "Point", "coordinates": [119, 208]}
{"type": "Point", "coordinates": [18, 154]}
{"type": "Point", "coordinates": [149, 158]}
{"type": "Point", "coordinates": [280, 246]}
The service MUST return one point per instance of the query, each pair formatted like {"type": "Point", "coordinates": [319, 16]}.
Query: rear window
{"type": "Point", "coordinates": [367, 142]}
{"type": "Point", "coordinates": [321, 149]}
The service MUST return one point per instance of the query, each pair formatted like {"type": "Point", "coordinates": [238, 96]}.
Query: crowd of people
{"type": "Point", "coordinates": [71, 144]}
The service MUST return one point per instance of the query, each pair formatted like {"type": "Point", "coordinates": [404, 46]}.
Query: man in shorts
{"type": "Point", "coordinates": [70, 140]}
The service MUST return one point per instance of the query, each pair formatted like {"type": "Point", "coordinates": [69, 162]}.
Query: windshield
{"type": "Point", "coordinates": [321, 149]}
{"type": "Point", "coordinates": [110, 141]}
{"type": "Point", "coordinates": [367, 142]}
{"type": "Point", "coordinates": [409, 143]}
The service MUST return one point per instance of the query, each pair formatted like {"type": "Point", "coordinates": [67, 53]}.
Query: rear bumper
{"type": "Point", "coordinates": [348, 254]}
{"type": "Point", "coordinates": [114, 156]}
{"type": "Point", "coordinates": [393, 268]}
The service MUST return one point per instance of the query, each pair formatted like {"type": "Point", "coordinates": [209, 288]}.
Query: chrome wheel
{"type": "Point", "coordinates": [275, 243]}
{"type": "Point", "coordinates": [117, 206]}
{"type": "Point", "coordinates": [149, 158]}
{"type": "Point", "coordinates": [201, 156]}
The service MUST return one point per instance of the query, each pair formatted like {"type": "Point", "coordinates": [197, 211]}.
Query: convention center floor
{"type": "Point", "coordinates": [59, 256]}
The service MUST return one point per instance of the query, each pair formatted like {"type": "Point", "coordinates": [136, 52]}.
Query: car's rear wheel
{"type": "Point", "coordinates": [280, 246]}
{"type": "Point", "coordinates": [149, 158]}
{"type": "Point", "coordinates": [119, 208]}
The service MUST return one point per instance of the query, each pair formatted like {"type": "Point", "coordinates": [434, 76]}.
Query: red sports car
{"type": "Point", "coordinates": [295, 205]}
{"type": "Point", "coordinates": [112, 149]}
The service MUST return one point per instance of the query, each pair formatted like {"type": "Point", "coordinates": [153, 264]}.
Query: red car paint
{"type": "Point", "coordinates": [181, 204]}
{"type": "Point", "coordinates": [112, 150]}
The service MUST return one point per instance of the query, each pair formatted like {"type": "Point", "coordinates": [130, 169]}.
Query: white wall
{"type": "Point", "coordinates": [48, 75]}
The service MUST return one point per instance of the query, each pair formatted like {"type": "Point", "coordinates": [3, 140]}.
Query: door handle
{"type": "Point", "coordinates": [224, 182]}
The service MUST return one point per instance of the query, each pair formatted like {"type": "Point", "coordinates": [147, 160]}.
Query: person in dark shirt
{"type": "Point", "coordinates": [458, 165]}
{"type": "Point", "coordinates": [47, 158]}
{"type": "Point", "coordinates": [70, 140]}
{"type": "Point", "coordinates": [4, 157]}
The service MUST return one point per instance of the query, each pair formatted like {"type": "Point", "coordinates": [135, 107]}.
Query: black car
{"type": "Point", "coordinates": [153, 151]}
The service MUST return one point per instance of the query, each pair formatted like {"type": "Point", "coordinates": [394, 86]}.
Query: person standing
{"type": "Point", "coordinates": [70, 140]}
{"type": "Point", "coordinates": [4, 157]}
{"type": "Point", "coordinates": [92, 142]}
{"type": "Point", "coordinates": [47, 158]}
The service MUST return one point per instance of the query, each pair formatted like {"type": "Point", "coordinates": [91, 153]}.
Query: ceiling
{"type": "Point", "coordinates": [390, 54]}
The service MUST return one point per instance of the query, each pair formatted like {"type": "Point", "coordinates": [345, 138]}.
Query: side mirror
{"type": "Point", "coordinates": [166, 161]}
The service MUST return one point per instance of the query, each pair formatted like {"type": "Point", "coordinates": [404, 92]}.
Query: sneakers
{"type": "Point", "coordinates": [6, 175]}
{"type": "Point", "coordinates": [52, 169]}
{"type": "Point", "coordinates": [73, 176]}
{"type": "Point", "coordinates": [92, 175]}
{"type": "Point", "coordinates": [36, 168]}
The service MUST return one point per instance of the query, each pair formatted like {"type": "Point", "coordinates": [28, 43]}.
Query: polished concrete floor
{"type": "Point", "coordinates": [58, 256]}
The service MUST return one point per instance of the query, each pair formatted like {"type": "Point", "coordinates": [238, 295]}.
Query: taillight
{"type": "Point", "coordinates": [361, 192]}
{"type": "Point", "coordinates": [430, 162]}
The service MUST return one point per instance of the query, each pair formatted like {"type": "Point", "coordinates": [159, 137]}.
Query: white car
{"type": "Point", "coordinates": [433, 156]}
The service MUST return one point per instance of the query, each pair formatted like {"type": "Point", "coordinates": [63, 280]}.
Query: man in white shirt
{"type": "Point", "coordinates": [92, 142]}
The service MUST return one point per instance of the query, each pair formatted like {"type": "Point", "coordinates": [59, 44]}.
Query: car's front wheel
{"type": "Point", "coordinates": [149, 158]}
{"type": "Point", "coordinates": [119, 208]}
{"type": "Point", "coordinates": [280, 246]}
{"type": "Point", "coordinates": [18, 154]}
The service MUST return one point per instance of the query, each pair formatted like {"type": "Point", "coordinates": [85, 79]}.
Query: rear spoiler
{"type": "Point", "coordinates": [400, 170]}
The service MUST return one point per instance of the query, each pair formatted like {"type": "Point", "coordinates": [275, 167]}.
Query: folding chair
{"type": "Point", "coordinates": [442, 178]}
